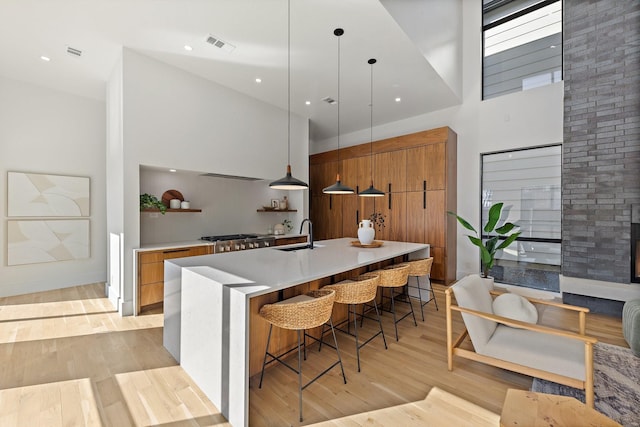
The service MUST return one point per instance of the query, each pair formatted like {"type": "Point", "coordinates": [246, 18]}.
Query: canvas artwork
{"type": "Point", "coordinates": [36, 241]}
{"type": "Point", "coordinates": [40, 195]}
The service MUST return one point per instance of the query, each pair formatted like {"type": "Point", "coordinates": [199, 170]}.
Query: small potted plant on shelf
{"type": "Point", "coordinates": [490, 246]}
{"type": "Point", "coordinates": [149, 201]}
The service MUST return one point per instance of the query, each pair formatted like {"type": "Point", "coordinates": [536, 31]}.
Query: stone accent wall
{"type": "Point", "coordinates": [601, 150]}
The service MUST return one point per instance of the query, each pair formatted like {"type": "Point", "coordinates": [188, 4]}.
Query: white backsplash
{"type": "Point", "coordinates": [228, 206]}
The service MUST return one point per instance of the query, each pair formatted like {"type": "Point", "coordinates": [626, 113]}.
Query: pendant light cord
{"type": "Point", "coordinates": [339, 100]}
{"type": "Point", "coordinates": [289, 82]}
{"type": "Point", "coordinates": [371, 61]}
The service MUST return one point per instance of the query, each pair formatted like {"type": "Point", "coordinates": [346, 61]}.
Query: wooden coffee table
{"type": "Point", "coordinates": [528, 408]}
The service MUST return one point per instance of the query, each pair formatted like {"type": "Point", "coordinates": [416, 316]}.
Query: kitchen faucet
{"type": "Point", "coordinates": [310, 231]}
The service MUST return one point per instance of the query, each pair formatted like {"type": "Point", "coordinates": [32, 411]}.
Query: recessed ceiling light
{"type": "Point", "coordinates": [258, 80]}
{"type": "Point", "coordinates": [172, 170]}
{"type": "Point", "coordinates": [188, 48]}
{"type": "Point", "coordinates": [308, 102]}
{"type": "Point", "coordinates": [45, 58]}
{"type": "Point", "coordinates": [398, 99]}
{"type": "Point", "coordinates": [553, 46]}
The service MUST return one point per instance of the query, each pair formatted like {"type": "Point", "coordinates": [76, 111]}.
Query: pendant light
{"type": "Point", "coordinates": [289, 182]}
{"type": "Point", "coordinates": [371, 191]}
{"type": "Point", "coordinates": [338, 187]}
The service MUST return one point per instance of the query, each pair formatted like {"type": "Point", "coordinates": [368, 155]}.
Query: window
{"type": "Point", "coordinates": [527, 181]}
{"type": "Point", "coordinates": [522, 44]}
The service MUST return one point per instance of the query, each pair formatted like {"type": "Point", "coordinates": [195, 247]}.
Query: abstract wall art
{"type": "Point", "coordinates": [40, 195]}
{"type": "Point", "coordinates": [37, 241]}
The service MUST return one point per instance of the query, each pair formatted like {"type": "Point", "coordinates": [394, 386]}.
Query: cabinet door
{"type": "Point", "coordinates": [435, 218]}
{"type": "Point", "coordinates": [349, 177]}
{"type": "Point", "coordinates": [415, 216]}
{"type": "Point", "coordinates": [393, 209]}
{"type": "Point", "coordinates": [322, 175]}
{"type": "Point", "coordinates": [350, 215]}
{"type": "Point", "coordinates": [326, 215]}
{"type": "Point", "coordinates": [426, 167]}
{"type": "Point", "coordinates": [390, 171]}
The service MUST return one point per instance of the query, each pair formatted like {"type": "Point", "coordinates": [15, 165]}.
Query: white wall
{"type": "Point", "coordinates": [46, 131]}
{"type": "Point", "coordinates": [173, 119]}
{"type": "Point", "coordinates": [523, 119]}
{"type": "Point", "coordinates": [228, 206]}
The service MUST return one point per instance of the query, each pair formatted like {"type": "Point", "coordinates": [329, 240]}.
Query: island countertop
{"type": "Point", "coordinates": [272, 269]}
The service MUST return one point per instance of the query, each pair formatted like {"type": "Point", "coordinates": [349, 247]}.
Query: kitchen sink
{"type": "Point", "coordinates": [297, 248]}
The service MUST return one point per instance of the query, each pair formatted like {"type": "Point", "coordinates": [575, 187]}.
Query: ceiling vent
{"type": "Point", "coordinates": [213, 40]}
{"type": "Point", "coordinates": [74, 52]}
{"type": "Point", "coordinates": [329, 100]}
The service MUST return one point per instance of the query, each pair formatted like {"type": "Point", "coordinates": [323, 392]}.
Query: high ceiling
{"type": "Point", "coordinates": [160, 29]}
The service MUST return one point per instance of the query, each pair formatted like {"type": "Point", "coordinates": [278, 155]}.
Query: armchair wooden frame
{"type": "Point", "coordinates": [453, 347]}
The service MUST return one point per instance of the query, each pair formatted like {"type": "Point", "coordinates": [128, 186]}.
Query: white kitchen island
{"type": "Point", "coordinates": [209, 299]}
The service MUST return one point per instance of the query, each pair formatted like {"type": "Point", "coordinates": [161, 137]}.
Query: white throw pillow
{"type": "Point", "coordinates": [515, 307]}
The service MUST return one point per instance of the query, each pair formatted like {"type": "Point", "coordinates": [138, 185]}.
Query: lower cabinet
{"type": "Point", "coordinates": [151, 273]}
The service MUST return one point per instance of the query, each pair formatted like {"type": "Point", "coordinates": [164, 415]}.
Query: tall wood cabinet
{"type": "Point", "coordinates": [417, 172]}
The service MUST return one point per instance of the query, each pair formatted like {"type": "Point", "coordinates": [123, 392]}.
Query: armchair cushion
{"type": "Point", "coordinates": [471, 293]}
{"type": "Point", "coordinates": [560, 355]}
{"type": "Point", "coordinates": [515, 307]}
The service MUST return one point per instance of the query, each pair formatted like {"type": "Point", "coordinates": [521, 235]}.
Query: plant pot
{"type": "Point", "coordinates": [488, 281]}
{"type": "Point", "coordinates": [366, 232]}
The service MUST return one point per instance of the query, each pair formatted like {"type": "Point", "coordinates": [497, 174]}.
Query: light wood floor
{"type": "Point", "coordinates": [68, 359]}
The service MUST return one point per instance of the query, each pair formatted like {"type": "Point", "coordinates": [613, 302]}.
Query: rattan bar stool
{"type": "Point", "coordinates": [300, 313]}
{"type": "Point", "coordinates": [393, 277]}
{"type": "Point", "coordinates": [422, 268]}
{"type": "Point", "coordinates": [353, 292]}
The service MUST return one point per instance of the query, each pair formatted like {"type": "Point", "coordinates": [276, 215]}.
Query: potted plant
{"type": "Point", "coordinates": [490, 246]}
{"type": "Point", "coordinates": [149, 201]}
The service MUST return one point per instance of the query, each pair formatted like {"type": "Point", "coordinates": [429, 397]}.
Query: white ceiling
{"type": "Point", "coordinates": [258, 29]}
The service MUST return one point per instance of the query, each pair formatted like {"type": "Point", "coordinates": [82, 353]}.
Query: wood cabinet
{"type": "Point", "coordinates": [390, 171]}
{"type": "Point", "coordinates": [418, 174]}
{"type": "Point", "coordinates": [151, 272]}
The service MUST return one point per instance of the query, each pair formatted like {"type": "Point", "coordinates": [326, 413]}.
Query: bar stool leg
{"type": "Point", "coordinates": [375, 305]}
{"type": "Point", "coordinates": [433, 295]}
{"type": "Point", "coordinates": [335, 340]}
{"type": "Point", "coordinates": [266, 352]}
{"type": "Point", "coordinates": [406, 287]}
{"type": "Point", "coordinates": [355, 328]}
{"type": "Point", "coordinates": [300, 375]}
{"type": "Point", "coordinates": [393, 311]}
{"type": "Point", "coordinates": [420, 296]}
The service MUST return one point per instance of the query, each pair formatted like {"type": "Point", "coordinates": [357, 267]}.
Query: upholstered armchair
{"type": "Point", "coordinates": [556, 355]}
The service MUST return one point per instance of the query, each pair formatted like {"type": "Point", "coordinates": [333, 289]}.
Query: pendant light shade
{"type": "Point", "coordinates": [338, 187]}
{"type": "Point", "coordinates": [288, 182]}
{"type": "Point", "coordinates": [371, 191]}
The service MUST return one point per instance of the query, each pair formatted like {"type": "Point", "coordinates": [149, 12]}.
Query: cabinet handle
{"type": "Point", "coordinates": [424, 194]}
{"type": "Point", "coordinates": [330, 202]}
{"type": "Point", "coordinates": [357, 189]}
{"type": "Point", "coordinates": [389, 196]}
{"type": "Point", "coordinates": [174, 251]}
{"type": "Point", "coordinates": [357, 216]}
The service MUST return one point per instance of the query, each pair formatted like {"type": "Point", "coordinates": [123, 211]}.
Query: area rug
{"type": "Point", "coordinates": [616, 383]}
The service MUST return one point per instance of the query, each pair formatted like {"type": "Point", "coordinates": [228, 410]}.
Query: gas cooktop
{"type": "Point", "coordinates": [229, 237]}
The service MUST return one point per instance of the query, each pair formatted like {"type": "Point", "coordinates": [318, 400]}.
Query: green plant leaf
{"type": "Point", "coordinates": [485, 256]}
{"type": "Point", "coordinates": [465, 224]}
{"type": "Point", "coordinates": [507, 227]}
{"type": "Point", "coordinates": [509, 240]}
{"type": "Point", "coordinates": [490, 244]}
{"type": "Point", "coordinates": [494, 217]}
{"type": "Point", "coordinates": [476, 241]}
